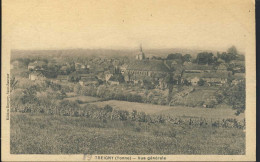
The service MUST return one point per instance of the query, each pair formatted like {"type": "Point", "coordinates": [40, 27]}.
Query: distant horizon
{"type": "Point", "coordinates": [126, 48]}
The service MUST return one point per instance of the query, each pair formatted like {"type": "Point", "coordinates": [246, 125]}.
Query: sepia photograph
{"type": "Point", "coordinates": [138, 80]}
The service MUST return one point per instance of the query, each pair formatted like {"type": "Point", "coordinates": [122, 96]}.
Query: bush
{"type": "Point", "coordinates": [108, 108]}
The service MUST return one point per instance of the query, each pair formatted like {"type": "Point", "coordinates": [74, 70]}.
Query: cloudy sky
{"type": "Point", "coordinates": [55, 24]}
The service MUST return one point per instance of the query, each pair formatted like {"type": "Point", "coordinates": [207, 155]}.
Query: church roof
{"type": "Point", "coordinates": [206, 75]}
{"type": "Point", "coordinates": [198, 67]}
{"type": "Point", "coordinates": [148, 65]}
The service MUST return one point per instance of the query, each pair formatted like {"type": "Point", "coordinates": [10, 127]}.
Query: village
{"type": "Point", "coordinates": [164, 81]}
{"type": "Point", "coordinates": [162, 96]}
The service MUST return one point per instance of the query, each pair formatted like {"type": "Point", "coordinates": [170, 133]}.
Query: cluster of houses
{"type": "Point", "coordinates": [139, 70]}
{"type": "Point", "coordinates": [187, 72]}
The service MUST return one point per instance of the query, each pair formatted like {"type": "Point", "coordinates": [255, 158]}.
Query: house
{"type": "Point", "coordinates": [36, 76]}
{"type": "Point", "coordinates": [191, 78]}
{"type": "Point", "coordinates": [80, 66]}
{"type": "Point", "coordinates": [108, 76]}
{"type": "Point", "coordinates": [162, 84]}
{"type": "Point", "coordinates": [222, 67]}
{"type": "Point", "coordinates": [62, 78]}
{"type": "Point", "coordinates": [116, 79]}
{"type": "Point", "coordinates": [216, 78]}
{"type": "Point", "coordinates": [123, 68]}
{"type": "Point", "coordinates": [195, 68]}
{"type": "Point", "coordinates": [213, 78]}
{"type": "Point", "coordinates": [194, 81]}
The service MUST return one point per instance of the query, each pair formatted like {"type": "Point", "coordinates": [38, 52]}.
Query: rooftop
{"type": "Point", "coordinates": [148, 65]}
{"type": "Point", "coordinates": [206, 75]}
{"type": "Point", "coordinates": [198, 67]}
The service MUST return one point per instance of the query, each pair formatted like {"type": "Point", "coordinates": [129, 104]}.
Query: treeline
{"type": "Point", "coordinates": [106, 93]}
{"type": "Point", "coordinates": [206, 57]}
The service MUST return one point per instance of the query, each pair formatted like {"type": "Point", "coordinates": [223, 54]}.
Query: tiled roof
{"type": "Point", "coordinates": [198, 67]}
{"type": "Point", "coordinates": [213, 74]}
{"type": "Point", "coordinates": [118, 78]}
{"type": "Point", "coordinates": [148, 65]}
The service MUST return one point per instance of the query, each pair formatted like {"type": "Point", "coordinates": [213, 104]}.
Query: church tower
{"type": "Point", "coordinates": [140, 55]}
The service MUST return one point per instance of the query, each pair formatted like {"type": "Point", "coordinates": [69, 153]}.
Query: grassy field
{"type": "Point", "coordinates": [178, 111]}
{"type": "Point", "coordinates": [44, 134]}
{"type": "Point", "coordinates": [84, 99]}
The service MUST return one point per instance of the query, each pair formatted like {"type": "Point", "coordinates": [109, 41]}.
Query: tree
{"type": "Point", "coordinates": [174, 56]}
{"type": "Point", "coordinates": [201, 82]}
{"type": "Point", "coordinates": [236, 96]}
{"type": "Point", "coordinates": [232, 50]}
{"type": "Point", "coordinates": [169, 79]}
{"type": "Point", "coordinates": [187, 58]}
{"type": "Point", "coordinates": [74, 77]}
{"type": "Point", "coordinates": [108, 108]}
{"type": "Point", "coordinates": [29, 95]}
{"type": "Point", "coordinates": [227, 57]}
{"type": "Point", "coordinates": [205, 58]}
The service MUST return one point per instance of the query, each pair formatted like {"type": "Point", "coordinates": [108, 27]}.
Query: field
{"type": "Point", "coordinates": [45, 134]}
{"type": "Point", "coordinates": [84, 99]}
{"type": "Point", "coordinates": [178, 111]}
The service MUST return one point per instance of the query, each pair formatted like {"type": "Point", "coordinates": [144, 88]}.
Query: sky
{"type": "Point", "coordinates": [59, 24]}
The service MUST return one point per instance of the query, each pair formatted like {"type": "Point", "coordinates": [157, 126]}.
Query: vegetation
{"type": "Point", "coordinates": [173, 111]}
{"type": "Point", "coordinates": [45, 134]}
{"type": "Point", "coordinates": [205, 58]}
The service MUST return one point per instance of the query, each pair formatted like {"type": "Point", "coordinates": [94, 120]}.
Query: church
{"type": "Point", "coordinates": [142, 68]}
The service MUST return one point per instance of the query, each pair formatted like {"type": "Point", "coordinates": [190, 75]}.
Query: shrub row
{"type": "Point", "coordinates": [68, 108]}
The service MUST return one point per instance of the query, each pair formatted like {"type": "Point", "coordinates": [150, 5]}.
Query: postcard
{"type": "Point", "coordinates": [128, 80]}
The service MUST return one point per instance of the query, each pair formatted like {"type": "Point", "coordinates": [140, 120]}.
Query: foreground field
{"type": "Point", "coordinates": [178, 111]}
{"type": "Point", "coordinates": [45, 134]}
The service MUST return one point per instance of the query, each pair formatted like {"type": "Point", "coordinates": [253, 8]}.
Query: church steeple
{"type": "Point", "coordinates": [140, 55]}
{"type": "Point", "coordinates": [141, 49]}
